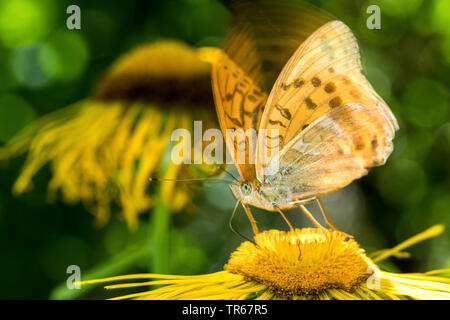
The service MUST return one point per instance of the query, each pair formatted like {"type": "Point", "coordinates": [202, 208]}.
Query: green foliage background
{"type": "Point", "coordinates": [44, 67]}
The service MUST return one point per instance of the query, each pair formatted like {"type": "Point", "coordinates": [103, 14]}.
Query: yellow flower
{"type": "Point", "coordinates": [104, 149]}
{"type": "Point", "coordinates": [305, 263]}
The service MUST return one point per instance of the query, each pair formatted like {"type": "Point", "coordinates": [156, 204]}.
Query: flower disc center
{"type": "Point", "coordinates": [302, 262]}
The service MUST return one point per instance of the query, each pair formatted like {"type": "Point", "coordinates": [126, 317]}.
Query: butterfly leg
{"type": "Point", "coordinates": [310, 216]}
{"type": "Point", "coordinates": [285, 218]}
{"type": "Point", "coordinates": [252, 220]}
{"type": "Point", "coordinates": [326, 217]}
{"type": "Point", "coordinates": [325, 214]}
{"type": "Point", "coordinates": [230, 223]}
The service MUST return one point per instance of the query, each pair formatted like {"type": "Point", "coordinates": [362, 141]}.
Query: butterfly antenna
{"type": "Point", "coordinates": [188, 180]}
{"type": "Point", "coordinates": [230, 223]}
{"type": "Point", "coordinates": [230, 174]}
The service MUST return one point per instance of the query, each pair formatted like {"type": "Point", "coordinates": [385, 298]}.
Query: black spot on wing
{"type": "Point", "coordinates": [277, 122]}
{"type": "Point", "coordinates": [298, 83]}
{"type": "Point", "coordinates": [316, 82]}
{"type": "Point", "coordinates": [310, 104]}
{"type": "Point", "coordinates": [330, 87]}
{"type": "Point", "coordinates": [284, 112]}
{"type": "Point", "coordinates": [257, 93]}
{"type": "Point", "coordinates": [251, 98]}
{"type": "Point", "coordinates": [235, 121]}
{"type": "Point", "coordinates": [374, 143]}
{"type": "Point", "coordinates": [285, 86]}
{"type": "Point", "coordinates": [335, 102]}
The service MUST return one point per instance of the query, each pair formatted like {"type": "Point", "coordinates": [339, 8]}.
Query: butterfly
{"type": "Point", "coordinates": [324, 125]}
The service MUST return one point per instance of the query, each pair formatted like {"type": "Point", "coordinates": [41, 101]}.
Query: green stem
{"type": "Point", "coordinates": [159, 234]}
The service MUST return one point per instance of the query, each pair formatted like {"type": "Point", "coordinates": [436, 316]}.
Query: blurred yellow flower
{"type": "Point", "coordinates": [104, 149]}
{"type": "Point", "coordinates": [305, 263]}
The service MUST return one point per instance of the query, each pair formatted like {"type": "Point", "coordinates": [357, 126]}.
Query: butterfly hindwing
{"type": "Point", "coordinates": [333, 151]}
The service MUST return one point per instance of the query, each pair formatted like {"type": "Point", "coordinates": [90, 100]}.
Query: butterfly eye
{"type": "Point", "coordinates": [246, 189]}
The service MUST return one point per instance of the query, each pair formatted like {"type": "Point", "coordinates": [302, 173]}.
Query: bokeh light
{"type": "Point", "coordinates": [33, 64]}
{"type": "Point", "coordinates": [440, 16]}
{"type": "Point", "coordinates": [24, 21]}
{"type": "Point", "coordinates": [66, 55]}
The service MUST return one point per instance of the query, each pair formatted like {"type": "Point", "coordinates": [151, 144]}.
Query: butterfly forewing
{"type": "Point", "coordinates": [323, 74]}
{"type": "Point", "coordinates": [239, 104]}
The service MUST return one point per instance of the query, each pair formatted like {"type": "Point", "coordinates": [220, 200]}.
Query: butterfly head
{"type": "Point", "coordinates": [252, 193]}
{"type": "Point", "coordinates": [242, 189]}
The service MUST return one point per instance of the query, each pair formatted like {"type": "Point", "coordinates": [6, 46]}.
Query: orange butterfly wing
{"type": "Point", "coordinates": [239, 104]}
{"type": "Point", "coordinates": [332, 151]}
{"type": "Point", "coordinates": [323, 74]}
{"type": "Point", "coordinates": [263, 36]}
